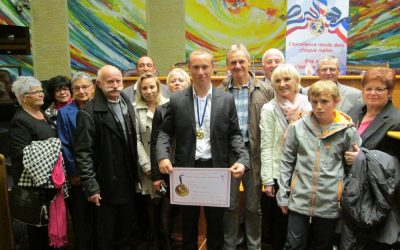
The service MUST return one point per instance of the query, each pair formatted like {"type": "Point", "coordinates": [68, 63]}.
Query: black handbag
{"type": "Point", "coordinates": [29, 205]}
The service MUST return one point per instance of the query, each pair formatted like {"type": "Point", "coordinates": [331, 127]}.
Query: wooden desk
{"type": "Point", "coordinates": [353, 81]}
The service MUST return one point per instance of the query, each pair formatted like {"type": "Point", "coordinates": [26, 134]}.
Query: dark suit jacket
{"type": "Point", "coordinates": [158, 118]}
{"type": "Point", "coordinates": [180, 122]}
{"type": "Point", "coordinates": [374, 137]}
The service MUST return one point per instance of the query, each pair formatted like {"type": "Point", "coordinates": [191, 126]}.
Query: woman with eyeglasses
{"type": "Point", "coordinates": [78, 206]}
{"type": "Point", "coordinates": [374, 119]}
{"type": "Point", "coordinates": [59, 94]}
{"type": "Point", "coordinates": [377, 115]}
{"type": "Point", "coordinates": [29, 124]}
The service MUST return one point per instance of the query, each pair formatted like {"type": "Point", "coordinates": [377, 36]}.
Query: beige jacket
{"type": "Point", "coordinates": [144, 120]}
{"type": "Point", "coordinates": [273, 125]}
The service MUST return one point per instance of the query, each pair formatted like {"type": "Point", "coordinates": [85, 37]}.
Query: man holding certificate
{"type": "Point", "coordinates": [203, 121]}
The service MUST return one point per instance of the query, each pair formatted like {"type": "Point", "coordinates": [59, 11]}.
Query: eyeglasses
{"type": "Point", "coordinates": [37, 92]}
{"type": "Point", "coordinates": [377, 90]}
{"type": "Point", "coordinates": [62, 89]}
{"type": "Point", "coordinates": [84, 87]}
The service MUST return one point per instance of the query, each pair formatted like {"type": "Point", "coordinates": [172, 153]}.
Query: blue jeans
{"type": "Point", "coordinates": [253, 216]}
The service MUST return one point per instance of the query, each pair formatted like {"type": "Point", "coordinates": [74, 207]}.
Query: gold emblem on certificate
{"type": "Point", "coordinates": [181, 189]}
{"type": "Point", "coordinates": [200, 134]}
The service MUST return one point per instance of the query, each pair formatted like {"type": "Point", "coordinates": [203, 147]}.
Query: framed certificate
{"type": "Point", "coordinates": [200, 186]}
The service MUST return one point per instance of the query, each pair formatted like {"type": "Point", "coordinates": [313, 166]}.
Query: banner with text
{"type": "Point", "coordinates": [316, 29]}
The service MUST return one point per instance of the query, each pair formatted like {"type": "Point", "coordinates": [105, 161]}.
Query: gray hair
{"type": "Point", "coordinates": [275, 52]}
{"type": "Point", "coordinates": [332, 59]}
{"type": "Point", "coordinates": [238, 47]}
{"type": "Point", "coordinates": [81, 76]}
{"type": "Point", "coordinates": [24, 84]}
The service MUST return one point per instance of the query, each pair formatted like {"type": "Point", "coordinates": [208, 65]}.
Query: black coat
{"type": "Point", "coordinates": [375, 137]}
{"type": "Point", "coordinates": [106, 161]}
{"type": "Point", "coordinates": [369, 208]}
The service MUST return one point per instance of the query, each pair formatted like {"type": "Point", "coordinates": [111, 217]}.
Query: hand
{"type": "Point", "coordinates": [157, 184]}
{"type": "Point", "coordinates": [237, 169]}
{"type": "Point", "coordinates": [350, 156]}
{"type": "Point", "coordinates": [284, 209]}
{"type": "Point", "coordinates": [75, 180]}
{"type": "Point", "coordinates": [165, 166]}
{"type": "Point", "coordinates": [270, 191]}
{"type": "Point", "coordinates": [95, 199]}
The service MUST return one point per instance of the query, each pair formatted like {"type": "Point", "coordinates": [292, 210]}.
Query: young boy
{"type": "Point", "coordinates": [312, 169]}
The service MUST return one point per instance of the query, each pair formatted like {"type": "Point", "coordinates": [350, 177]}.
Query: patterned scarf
{"type": "Point", "coordinates": [292, 110]}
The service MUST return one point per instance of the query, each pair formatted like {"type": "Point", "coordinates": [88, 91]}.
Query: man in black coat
{"type": "Point", "coordinates": [204, 123]}
{"type": "Point", "coordinates": [106, 158]}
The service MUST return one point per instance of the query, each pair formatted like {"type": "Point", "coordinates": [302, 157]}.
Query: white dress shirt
{"type": "Point", "coordinates": [203, 146]}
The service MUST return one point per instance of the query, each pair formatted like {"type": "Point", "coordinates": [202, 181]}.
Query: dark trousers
{"type": "Point", "coordinates": [214, 220]}
{"type": "Point", "coordinates": [38, 238]}
{"type": "Point", "coordinates": [81, 212]}
{"type": "Point", "coordinates": [319, 233]}
{"type": "Point", "coordinates": [113, 223]}
{"type": "Point", "coordinates": [169, 215]}
{"type": "Point", "coordinates": [277, 222]}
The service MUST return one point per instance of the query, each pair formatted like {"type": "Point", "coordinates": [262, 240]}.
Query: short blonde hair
{"type": "Point", "coordinates": [178, 71]}
{"type": "Point", "coordinates": [324, 87]}
{"type": "Point", "coordinates": [146, 75]}
{"type": "Point", "coordinates": [288, 70]}
{"type": "Point", "coordinates": [201, 52]}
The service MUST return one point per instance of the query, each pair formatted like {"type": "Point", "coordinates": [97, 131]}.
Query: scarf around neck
{"type": "Point", "coordinates": [292, 110]}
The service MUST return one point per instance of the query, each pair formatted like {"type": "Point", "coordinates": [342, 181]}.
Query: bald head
{"type": "Point", "coordinates": [109, 80]}
{"type": "Point", "coordinates": [105, 69]}
{"type": "Point", "coordinates": [146, 64]}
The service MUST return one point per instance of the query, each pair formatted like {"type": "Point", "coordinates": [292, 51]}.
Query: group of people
{"type": "Point", "coordinates": [297, 145]}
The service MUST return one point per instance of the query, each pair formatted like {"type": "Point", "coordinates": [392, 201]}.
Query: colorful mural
{"type": "Point", "coordinates": [10, 16]}
{"type": "Point", "coordinates": [114, 31]}
{"type": "Point", "coordinates": [106, 32]}
{"type": "Point", "coordinates": [217, 24]}
{"type": "Point", "coordinates": [374, 32]}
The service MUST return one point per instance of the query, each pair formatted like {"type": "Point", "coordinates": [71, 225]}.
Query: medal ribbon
{"type": "Point", "coordinates": [200, 122]}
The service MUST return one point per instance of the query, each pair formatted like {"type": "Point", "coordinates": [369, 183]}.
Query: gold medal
{"type": "Point", "coordinates": [199, 134]}
{"type": "Point", "coordinates": [200, 120]}
{"type": "Point", "coordinates": [181, 189]}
